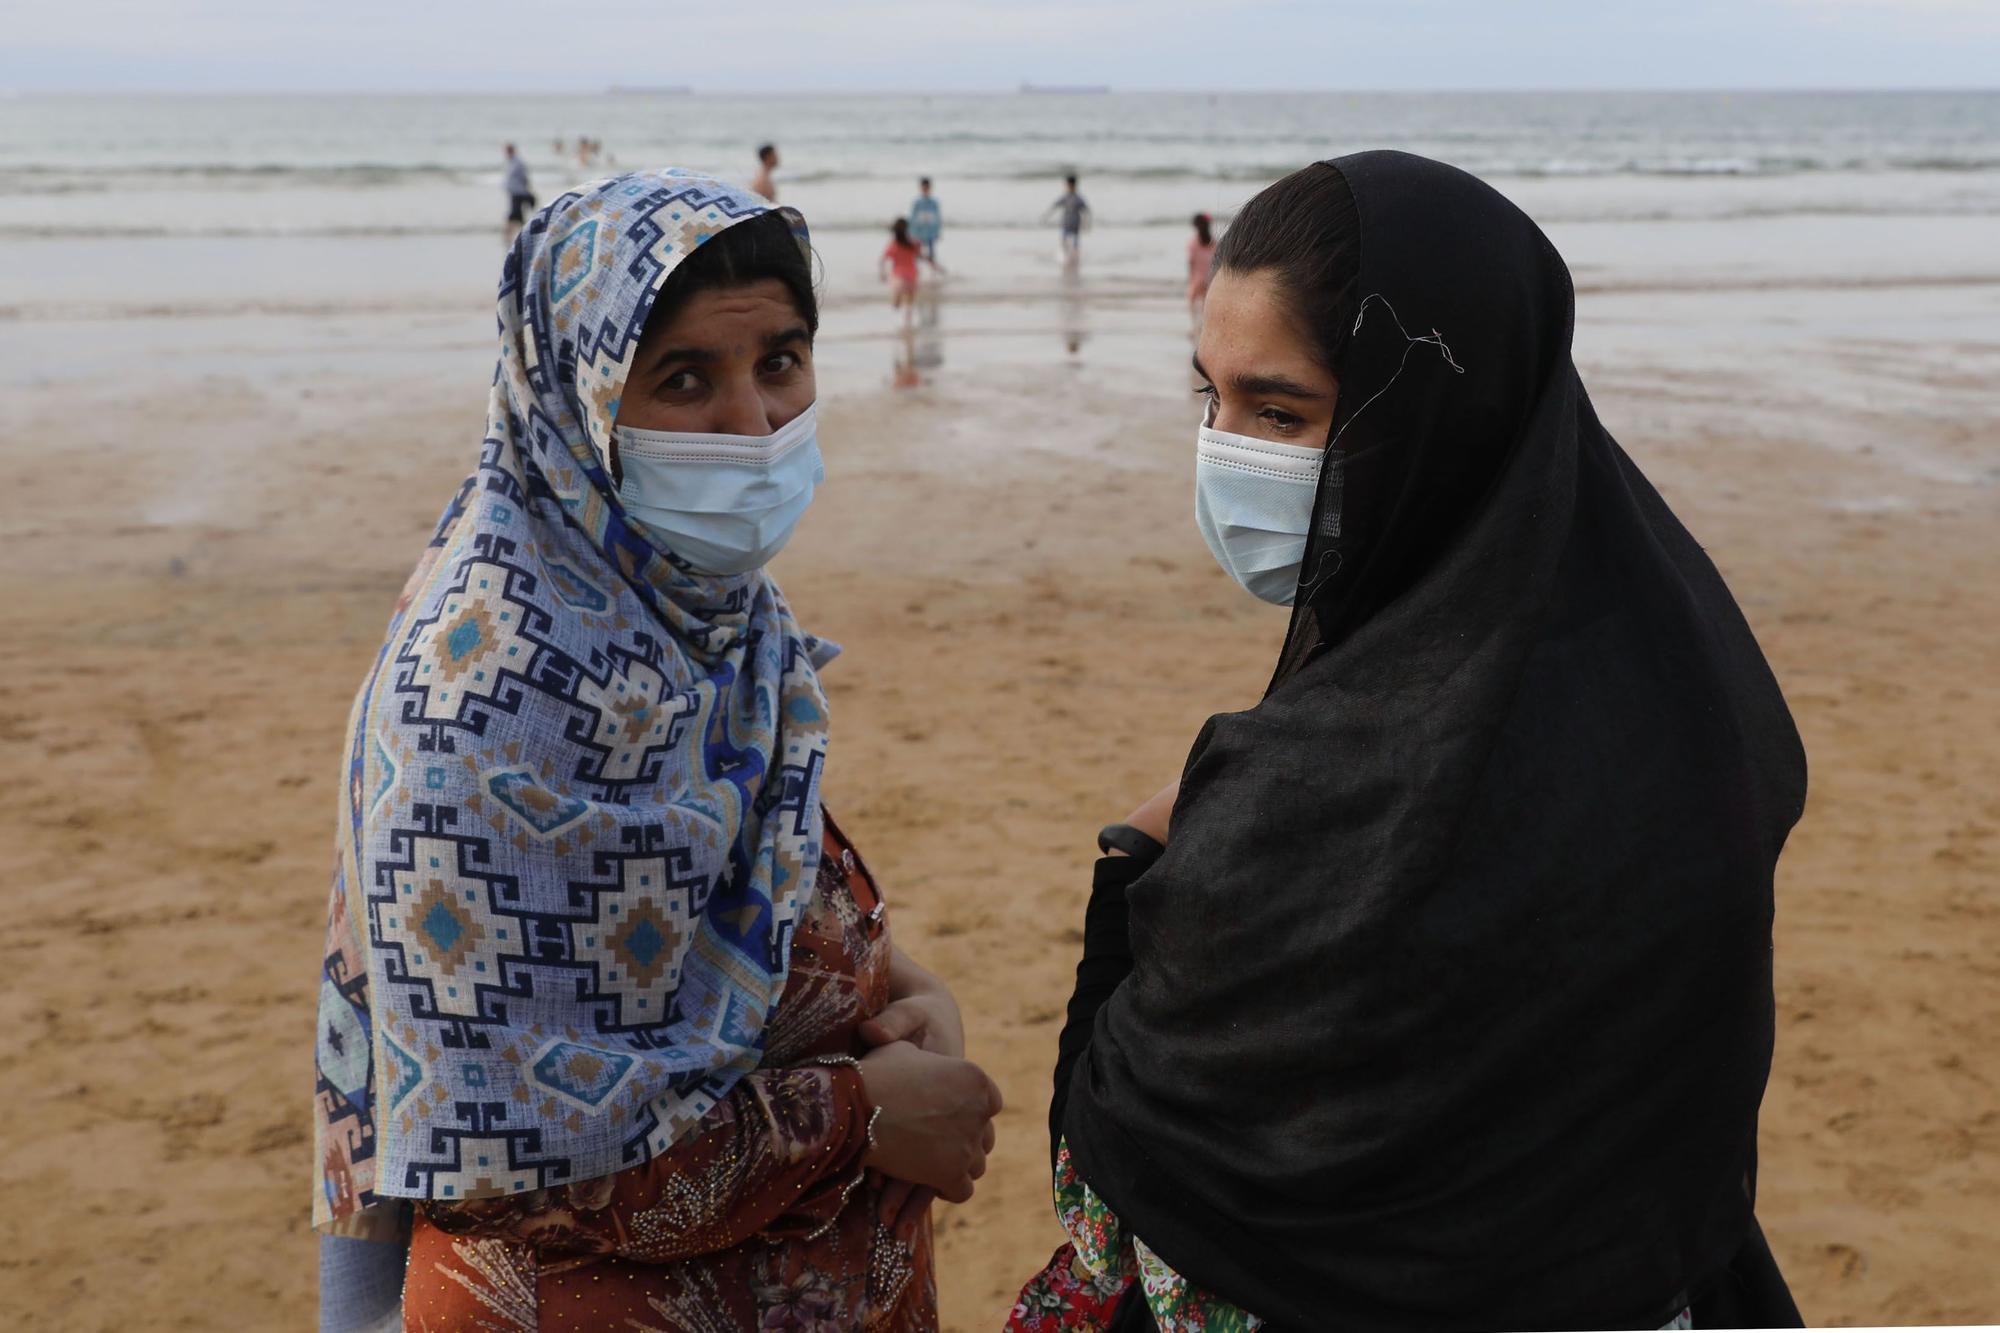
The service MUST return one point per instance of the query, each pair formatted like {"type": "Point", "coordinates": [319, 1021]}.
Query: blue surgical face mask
{"type": "Point", "coordinates": [1253, 501]}
{"type": "Point", "coordinates": [724, 503]}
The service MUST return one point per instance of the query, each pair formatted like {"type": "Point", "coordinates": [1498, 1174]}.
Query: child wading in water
{"type": "Point", "coordinates": [899, 261]}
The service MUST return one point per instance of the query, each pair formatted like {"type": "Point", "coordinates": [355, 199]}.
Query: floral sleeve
{"type": "Point", "coordinates": [777, 1157]}
{"type": "Point", "coordinates": [1082, 1285]}
{"type": "Point", "coordinates": [1080, 1289]}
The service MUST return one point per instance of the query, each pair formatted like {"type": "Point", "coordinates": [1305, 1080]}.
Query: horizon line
{"type": "Point", "coordinates": [1019, 90]}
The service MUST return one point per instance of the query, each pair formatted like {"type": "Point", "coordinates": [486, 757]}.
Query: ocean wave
{"type": "Point", "coordinates": [839, 224]}
{"type": "Point", "coordinates": [1501, 167]}
{"type": "Point", "coordinates": [48, 178]}
{"type": "Point", "coordinates": [54, 179]}
{"type": "Point", "coordinates": [1118, 290]}
{"type": "Point", "coordinates": [1765, 165]}
{"type": "Point", "coordinates": [33, 231]}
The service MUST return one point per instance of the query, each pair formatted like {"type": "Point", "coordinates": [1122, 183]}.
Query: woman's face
{"type": "Point", "coordinates": [731, 361]}
{"type": "Point", "coordinates": [1256, 366]}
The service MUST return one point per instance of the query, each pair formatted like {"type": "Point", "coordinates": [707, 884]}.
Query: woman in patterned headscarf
{"type": "Point", "coordinates": [610, 1026]}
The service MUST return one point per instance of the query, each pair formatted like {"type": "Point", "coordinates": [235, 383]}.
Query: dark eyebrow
{"type": "Point", "coordinates": [708, 356]}
{"type": "Point", "coordinates": [699, 356]}
{"type": "Point", "coordinates": [1273, 386]}
{"type": "Point", "coordinates": [1263, 386]}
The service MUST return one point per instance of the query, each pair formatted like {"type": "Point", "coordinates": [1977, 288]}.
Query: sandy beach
{"type": "Point", "coordinates": [206, 524]}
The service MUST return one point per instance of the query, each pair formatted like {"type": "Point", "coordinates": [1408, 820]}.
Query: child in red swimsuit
{"type": "Point", "coordinates": [899, 260]}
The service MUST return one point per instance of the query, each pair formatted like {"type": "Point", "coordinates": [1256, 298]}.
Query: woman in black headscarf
{"type": "Point", "coordinates": [1447, 1004]}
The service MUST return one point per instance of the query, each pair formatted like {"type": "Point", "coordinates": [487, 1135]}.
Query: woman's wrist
{"type": "Point", "coordinates": [850, 1088]}
{"type": "Point", "coordinates": [1125, 840]}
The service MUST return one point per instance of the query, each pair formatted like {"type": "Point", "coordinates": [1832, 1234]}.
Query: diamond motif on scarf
{"type": "Point", "coordinates": [571, 258]}
{"type": "Point", "coordinates": [639, 942]}
{"type": "Point", "coordinates": [638, 713]}
{"type": "Point", "coordinates": [546, 813]}
{"type": "Point", "coordinates": [402, 1073]}
{"type": "Point", "coordinates": [461, 653]}
{"type": "Point", "coordinates": [446, 934]}
{"type": "Point", "coordinates": [574, 588]}
{"type": "Point", "coordinates": [585, 1076]}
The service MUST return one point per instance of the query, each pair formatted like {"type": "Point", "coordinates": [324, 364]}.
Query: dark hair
{"type": "Point", "coordinates": [764, 150]}
{"type": "Point", "coordinates": [1071, 180]}
{"type": "Point", "coordinates": [763, 247]}
{"type": "Point", "coordinates": [901, 227]}
{"type": "Point", "coordinates": [924, 181]}
{"type": "Point", "coordinates": [1201, 225]}
{"type": "Point", "coordinates": [1305, 230]}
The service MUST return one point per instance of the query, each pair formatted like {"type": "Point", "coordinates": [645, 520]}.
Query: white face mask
{"type": "Point", "coordinates": [724, 503]}
{"type": "Point", "coordinates": [1253, 501]}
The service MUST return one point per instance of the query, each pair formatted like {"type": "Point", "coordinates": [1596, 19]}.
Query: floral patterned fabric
{"type": "Point", "coordinates": [1086, 1279]}
{"type": "Point", "coordinates": [762, 1218]}
{"type": "Point", "coordinates": [1082, 1285]}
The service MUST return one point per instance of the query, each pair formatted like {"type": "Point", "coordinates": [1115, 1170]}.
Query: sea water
{"type": "Point", "coordinates": [176, 204]}
{"type": "Point", "coordinates": [1781, 253]}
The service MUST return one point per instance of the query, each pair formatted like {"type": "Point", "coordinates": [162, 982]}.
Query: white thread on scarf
{"type": "Point", "coordinates": [1433, 338]}
{"type": "Point", "coordinates": [1320, 572]}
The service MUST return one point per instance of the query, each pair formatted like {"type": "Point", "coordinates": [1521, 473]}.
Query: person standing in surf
{"type": "Point", "coordinates": [1073, 212]}
{"type": "Point", "coordinates": [520, 195]}
{"type": "Point", "coordinates": [926, 221]}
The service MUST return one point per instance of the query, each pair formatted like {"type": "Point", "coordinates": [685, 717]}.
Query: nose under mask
{"type": "Point", "coordinates": [726, 504]}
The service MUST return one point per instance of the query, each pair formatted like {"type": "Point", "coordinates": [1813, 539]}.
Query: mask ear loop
{"type": "Point", "coordinates": [1321, 572]}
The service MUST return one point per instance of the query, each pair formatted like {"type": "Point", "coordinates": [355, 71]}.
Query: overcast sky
{"type": "Point", "coordinates": [953, 45]}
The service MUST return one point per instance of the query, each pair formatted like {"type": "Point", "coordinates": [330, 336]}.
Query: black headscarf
{"type": "Point", "coordinates": [1450, 1003]}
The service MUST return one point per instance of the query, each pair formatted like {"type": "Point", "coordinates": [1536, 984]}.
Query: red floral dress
{"type": "Point", "coordinates": [761, 1219]}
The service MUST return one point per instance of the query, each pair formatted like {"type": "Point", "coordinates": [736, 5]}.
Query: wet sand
{"type": "Point", "coordinates": [199, 563]}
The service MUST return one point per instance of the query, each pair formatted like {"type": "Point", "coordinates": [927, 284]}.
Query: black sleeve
{"type": "Point", "coordinates": [1107, 958]}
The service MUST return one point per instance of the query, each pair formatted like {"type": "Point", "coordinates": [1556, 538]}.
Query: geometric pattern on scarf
{"type": "Point", "coordinates": [580, 815]}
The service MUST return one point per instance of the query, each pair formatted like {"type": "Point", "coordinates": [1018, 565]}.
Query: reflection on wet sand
{"type": "Point", "coordinates": [920, 347]}
{"type": "Point", "coordinates": [1071, 312]}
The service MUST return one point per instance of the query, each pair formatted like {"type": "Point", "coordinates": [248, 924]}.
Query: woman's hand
{"type": "Point", "coordinates": [936, 1121]}
{"type": "Point", "coordinates": [928, 1021]}
{"type": "Point", "coordinates": [1156, 813]}
{"type": "Point", "coordinates": [920, 1011]}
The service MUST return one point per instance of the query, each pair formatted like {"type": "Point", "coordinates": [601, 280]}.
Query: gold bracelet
{"type": "Point", "coordinates": [847, 1060]}
{"type": "Point", "coordinates": [847, 1190]}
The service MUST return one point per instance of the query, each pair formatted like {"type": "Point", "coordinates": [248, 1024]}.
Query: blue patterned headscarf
{"type": "Point", "coordinates": [581, 808]}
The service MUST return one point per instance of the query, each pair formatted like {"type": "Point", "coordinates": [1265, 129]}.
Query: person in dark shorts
{"type": "Point", "coordinates": [1075, 215]}
{"type": "Point", "coordinates": [520, 197]}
